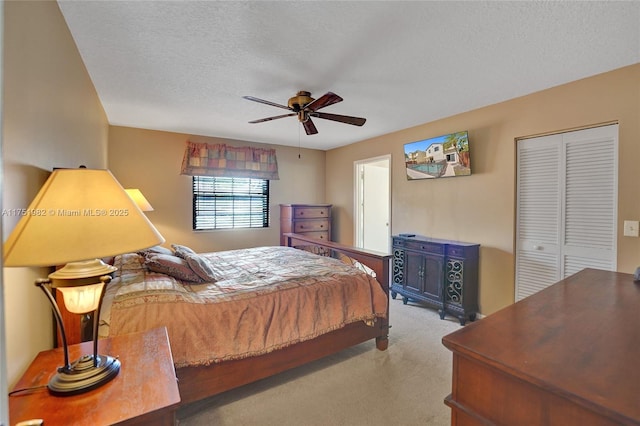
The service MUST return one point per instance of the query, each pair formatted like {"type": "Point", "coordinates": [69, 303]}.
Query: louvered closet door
{"type": "Point", "coordinates": [539, 214]}
{"type": "Point", "coordinates": [567, 206]}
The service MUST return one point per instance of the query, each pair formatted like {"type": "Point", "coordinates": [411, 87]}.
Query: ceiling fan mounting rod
{"type": "Point", "coordinates": [303, 116]}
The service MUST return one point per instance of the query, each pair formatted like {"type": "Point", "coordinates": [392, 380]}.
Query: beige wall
{"type": "Point", "coordinates": [481, 208]}
{"type": "Point", "coordinates": [52, 118]}
{"type": "Point", "coordinates": [150, 161]}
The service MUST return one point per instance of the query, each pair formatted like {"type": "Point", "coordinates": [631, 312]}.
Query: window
{"type": "Point", "coordinates": [225, 203]}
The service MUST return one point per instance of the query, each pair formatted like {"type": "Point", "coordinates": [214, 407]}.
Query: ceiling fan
{"type": "Point", "coordinates": [305, 107]}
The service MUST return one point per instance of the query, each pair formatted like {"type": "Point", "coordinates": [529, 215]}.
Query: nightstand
{"type": "Point", "coordinates": [144, 392]}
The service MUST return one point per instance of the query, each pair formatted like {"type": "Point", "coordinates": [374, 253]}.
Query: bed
{"type": "Point", "coordinates": [262, 311]}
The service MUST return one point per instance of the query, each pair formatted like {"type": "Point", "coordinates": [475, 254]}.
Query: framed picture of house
{"type": "Point", "coordinates": [442, 156]}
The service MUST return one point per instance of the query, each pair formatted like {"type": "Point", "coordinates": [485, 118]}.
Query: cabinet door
{"type": "Point", "coordinates": [398, 265]}
{"type": "Point", "coordinates": [433, 276]}
{"type": "Point", "coordinates": [414, 272]}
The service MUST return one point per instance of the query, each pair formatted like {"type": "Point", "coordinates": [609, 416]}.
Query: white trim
{"type": "Point", "coordinates": [358, 210]}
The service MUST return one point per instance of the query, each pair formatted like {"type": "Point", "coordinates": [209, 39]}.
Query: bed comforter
{"type": "Point", "coordinates": [267, 298]}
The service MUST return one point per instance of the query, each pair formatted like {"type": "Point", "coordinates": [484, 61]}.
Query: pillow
{"type": "Point", "coordinates": [364, 268]}
{"type": "Point", "coordinates": [155, 250]}
{"type": "Point", "coordinates": [173, 266]}
{"type": "Point", "coordinates": [202, 267]}
{"type": "Point", "coordinates": [351, 261]}
{"type": "Point", "coordinates": [182, 251]}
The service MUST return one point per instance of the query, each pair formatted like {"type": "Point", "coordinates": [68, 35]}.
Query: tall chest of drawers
{"type": "Point", "coordinates": [312, 220]}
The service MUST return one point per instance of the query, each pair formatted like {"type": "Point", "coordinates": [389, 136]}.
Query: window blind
{"type": "Point", "coordinates": [225, 203]}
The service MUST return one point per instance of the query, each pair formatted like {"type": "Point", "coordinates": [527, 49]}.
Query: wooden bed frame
{"type": "Point", "coordinates": [196, 383]}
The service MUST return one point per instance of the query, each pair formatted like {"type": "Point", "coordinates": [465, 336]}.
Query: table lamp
{"type": "Point", "coordinates": [78, 217]}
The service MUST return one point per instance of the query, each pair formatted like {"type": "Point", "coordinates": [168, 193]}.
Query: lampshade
{"type": "Point", "coordinates": [78, 214]}
{"type": "Point", "coordinates": [139, 199]}
{"type": "Point", "coordinates": [83, 299]}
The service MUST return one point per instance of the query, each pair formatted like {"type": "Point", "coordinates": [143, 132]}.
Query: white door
{"type": "Point", "coordinates": [372, 203]}
{"type": "Point", "coordinates": [566, 206]}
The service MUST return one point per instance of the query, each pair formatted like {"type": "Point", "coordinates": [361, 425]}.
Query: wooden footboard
{"type": "Point", "coordinates": [197, 383]}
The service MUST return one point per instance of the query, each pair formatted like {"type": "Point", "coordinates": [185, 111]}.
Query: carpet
{"type": "Point", "coordinates": [404, 385]}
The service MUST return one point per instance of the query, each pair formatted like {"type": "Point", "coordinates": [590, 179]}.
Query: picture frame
{"type": "Point", "coordinates": [442, 156]}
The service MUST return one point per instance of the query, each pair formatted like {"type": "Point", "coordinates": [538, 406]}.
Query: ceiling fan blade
{"type": "Point", "coordinates": [309, 127]}
{"type": "Point", "coordinates": [356, 121]}
{"type": "Point", "coordinates": [325, 100]}
{"type": "Point", "coordinates": [262, 120]}
{"type": "Point", "coordinates": [262, 101]}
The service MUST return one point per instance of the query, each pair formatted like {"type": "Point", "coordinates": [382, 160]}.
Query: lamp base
{"type": "Point", "coordinates": [83, 376]}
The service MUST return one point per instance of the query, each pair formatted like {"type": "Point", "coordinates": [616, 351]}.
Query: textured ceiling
{"type": "Point", "coordinates": [184, 66]}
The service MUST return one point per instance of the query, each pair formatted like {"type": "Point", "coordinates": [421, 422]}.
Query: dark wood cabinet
{"type": "Point", "coordinates": [312, 220]}
{"type": "Point", "coordinates": [441, 274]}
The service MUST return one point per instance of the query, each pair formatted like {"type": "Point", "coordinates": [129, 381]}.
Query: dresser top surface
{"type": "Point", "coordinates": [579, 338]}
{"type": "Point", "coordinates": [422, 238]}
{"type": "Point", "coordinates": [146, 383]}
{"type": "Point", "coordinates": [305, 205]}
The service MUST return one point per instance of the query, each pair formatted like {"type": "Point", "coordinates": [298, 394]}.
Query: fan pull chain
{"type": "Point", "coordinates": [299, 157]}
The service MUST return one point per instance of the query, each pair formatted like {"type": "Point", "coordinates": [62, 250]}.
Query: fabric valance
{"type": "Point", "coordinates": [203, 159]}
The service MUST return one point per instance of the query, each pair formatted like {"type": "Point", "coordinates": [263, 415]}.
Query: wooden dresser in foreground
{"type": "Point", "coordinates": [312, 220]}
{"type": "Point", "coordinates": [568, 355]}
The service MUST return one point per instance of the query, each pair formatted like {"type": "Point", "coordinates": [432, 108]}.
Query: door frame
{"type": "Point", "coordinates": [358, 208]}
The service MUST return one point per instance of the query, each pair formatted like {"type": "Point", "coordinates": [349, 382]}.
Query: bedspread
{"type": "Point", "coordinates": [268, 298]}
